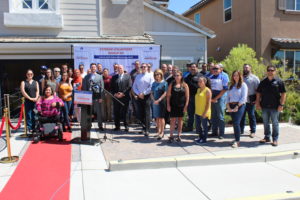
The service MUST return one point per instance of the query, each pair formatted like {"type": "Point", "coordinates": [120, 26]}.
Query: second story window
{"type": "Point", "coordinates": [34, 5]}
{"type": "Point", "coordinates": [197, 18]}
{"type": "Point", "coordinates": [227, 10]}
{"type": "Point", "coordinates": [293, 5]}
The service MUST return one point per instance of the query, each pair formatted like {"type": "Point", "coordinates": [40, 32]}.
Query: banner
{"type": "Point", "coordinates": [108, 55]}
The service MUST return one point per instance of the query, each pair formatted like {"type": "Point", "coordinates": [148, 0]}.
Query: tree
{"type": "Point", "coordinates": [240, 55]}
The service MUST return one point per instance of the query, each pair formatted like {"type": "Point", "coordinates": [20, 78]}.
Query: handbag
{"type": "Point", "coordinates": [252, 98]}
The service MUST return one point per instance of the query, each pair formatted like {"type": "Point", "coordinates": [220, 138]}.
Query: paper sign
{"type": "Point", "coordinates": [83, 97]}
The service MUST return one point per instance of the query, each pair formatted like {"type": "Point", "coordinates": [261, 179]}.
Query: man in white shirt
{"type": "Point", "coordinates": [141, 90]}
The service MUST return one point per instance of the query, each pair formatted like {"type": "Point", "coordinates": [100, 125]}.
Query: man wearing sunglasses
{"type": "Point", "coordinates": [219, 86]}
{"type": "Point", "coordinates": [270, 97]}
{"type": "Point", "coordinates": [141, 91]}
{"type": "Point", "coordinates": [57, 75]}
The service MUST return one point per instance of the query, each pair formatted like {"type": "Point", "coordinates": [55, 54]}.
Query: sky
{"type": "Point", "coordinates": [180, 6]}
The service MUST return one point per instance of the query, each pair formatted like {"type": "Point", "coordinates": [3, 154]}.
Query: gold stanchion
{"type": "Point", "coordinates": [7, 105]}
{"type": "Point", "coordinates": [9, 159]}
{"type": "Point", "coordinates": [25, 121]}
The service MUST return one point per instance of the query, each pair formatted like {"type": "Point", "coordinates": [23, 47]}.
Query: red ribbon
{"type": "Point", "coordinates": [2, 125]}
{"type": "Point", "coordinates": [20, 120]}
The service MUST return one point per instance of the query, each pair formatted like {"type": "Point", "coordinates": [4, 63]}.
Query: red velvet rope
{"type": "Point", "coordinates": [20, 119]}
{"type": "Point", "coordinates": [2, 125]}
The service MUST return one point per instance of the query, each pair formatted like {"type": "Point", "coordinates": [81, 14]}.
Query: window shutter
{"type": "Point", "coordinates": [281, 4]}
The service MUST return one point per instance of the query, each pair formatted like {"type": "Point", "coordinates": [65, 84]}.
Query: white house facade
{"type": "Point", "coordinates": [42, 32]}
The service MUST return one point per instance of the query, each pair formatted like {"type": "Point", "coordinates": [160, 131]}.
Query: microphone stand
{"type": "Point", "coordinates": [105, 136]}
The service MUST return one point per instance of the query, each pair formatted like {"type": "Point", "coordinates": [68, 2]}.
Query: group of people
{"type": "Point", "coordinates": [164, 95]}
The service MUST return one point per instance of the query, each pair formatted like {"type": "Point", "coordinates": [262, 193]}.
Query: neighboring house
{"type": "Point", "coordinates": [270, 27]}
{"type": "Point", "coordinates": [42, 32]}
{"type": "Point", "coordinates": [182, 40]}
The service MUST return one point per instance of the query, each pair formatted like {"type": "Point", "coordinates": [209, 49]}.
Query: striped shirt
{"type": "Point", "coordinates": [45, 108]}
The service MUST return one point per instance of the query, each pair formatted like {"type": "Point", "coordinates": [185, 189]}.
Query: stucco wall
{"type": "Point", "coordinates": [276, 23]}
{"type": "Point", "coordinates": [240, 29]}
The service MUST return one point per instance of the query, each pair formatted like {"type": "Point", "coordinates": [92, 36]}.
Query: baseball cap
{"type": "Point", "coordinates": [43, 67]}
{"type": "Point", "coordinates": [221, 65]}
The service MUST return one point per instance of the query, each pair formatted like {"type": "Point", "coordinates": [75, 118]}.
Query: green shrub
{"type": "Point", "coordinates": [240, 55]}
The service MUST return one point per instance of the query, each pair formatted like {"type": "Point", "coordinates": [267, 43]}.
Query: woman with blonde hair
{"type": "Point", "coordinates": [158, 93]}
{"type": "Point", "coordinates": [202, 109]}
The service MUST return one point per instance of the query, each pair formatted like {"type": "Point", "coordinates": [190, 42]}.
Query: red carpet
{"type": "Point", "coordinates": [43, 172]}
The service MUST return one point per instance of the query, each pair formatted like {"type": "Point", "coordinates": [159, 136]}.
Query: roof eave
{"type": "Point", "coordinates": [176, 18]}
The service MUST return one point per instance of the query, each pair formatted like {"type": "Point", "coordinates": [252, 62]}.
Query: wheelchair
{"type": "Point", "coordinates": [48, 127]}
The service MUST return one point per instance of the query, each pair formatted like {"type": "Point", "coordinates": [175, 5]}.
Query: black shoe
{"type": "Point", "coordinates": [116, 129]}
{"type": "Point", "coordinates": [101, 129]}
{"type": "Point", "coordinates": [178, 139]}
{"type": "Point", "coordinates": [221, 137]}
{"type": "Point", "coordinates": [146, 134]}
{"type": "Point", "coordinates": [213, 135]}
{"type": "Point", "coordinates": [126, 129]}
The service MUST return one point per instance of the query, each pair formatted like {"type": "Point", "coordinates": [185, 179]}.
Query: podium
{"type": "Point", "coordinates": [85, 100]}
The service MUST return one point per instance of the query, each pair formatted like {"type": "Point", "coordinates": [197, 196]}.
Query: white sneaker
{"type": "Point", "coordinates": [235, 145]}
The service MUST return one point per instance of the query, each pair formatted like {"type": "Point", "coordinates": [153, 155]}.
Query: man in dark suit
{"type": "Point", "coordinates": [92, 82]}
{"type": "Point", "coordinates": [120, 88]}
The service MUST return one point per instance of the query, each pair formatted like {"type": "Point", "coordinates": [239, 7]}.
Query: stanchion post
{"type": "Point", "coordinates": [10, 158]}
{"type": "Point", "coordinates": [7, 106]}
{"type": "Point", "coordinates": [25, 120]}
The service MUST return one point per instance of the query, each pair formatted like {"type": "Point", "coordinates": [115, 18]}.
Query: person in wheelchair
{"type": "Point", "coordinates": [48, 107]}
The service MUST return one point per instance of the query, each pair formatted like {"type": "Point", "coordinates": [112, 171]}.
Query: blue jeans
{"type": "Point", "coordinates": [201, 127]}
{"type": "Point", "coordinates": [250, 109]}
{"type": "Point", "coordinates": [273, 114]}
{"type": "Point", "coordinates": [217, 117]}
{"type": "Point", "coordinates": [191, 113]}
{"type": "Point", "coordinates": [66, 111]}
{"type": "Point", "coordinates": [236, 119]}
{"type": "Point", "coordinates": [30, 115]}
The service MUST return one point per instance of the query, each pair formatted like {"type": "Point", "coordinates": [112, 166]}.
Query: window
{"type": "Point", "coordinates": [33, 6]}
{"type": "Point", "coordinates": [197, 18]}
{"type": "Point", "coordinates": [33, 14]}
{"type": "Point", "coordinates": [227, 10]}
{"type": "Point", "coordinates": [297, 63]}
{"type": "Point", "coordinates": [177, 61]}
{"type": "Point", "coordinates": [290, 60]}
{"type": "Point", "coordinates": [293, 5]}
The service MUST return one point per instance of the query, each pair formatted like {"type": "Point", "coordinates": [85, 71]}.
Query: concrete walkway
{"type": "Point", "coordinates": [129, 148]}
{"type": "Point", "coordinates": [91, 163]}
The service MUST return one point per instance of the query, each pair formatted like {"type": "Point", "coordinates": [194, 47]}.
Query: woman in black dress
{"type": "Point", "coordinates": [177, 102]}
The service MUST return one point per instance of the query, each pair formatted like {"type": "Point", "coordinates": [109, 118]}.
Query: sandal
{"type": "Point", "coordinates": [178, 139]}
{"type": "Point", "coordinates": [171, 139]}
{"type": "Point", "coordinates": [160, 137]}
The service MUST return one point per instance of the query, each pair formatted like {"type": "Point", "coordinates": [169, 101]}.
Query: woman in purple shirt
{"type": "Point", "coordinates": [236, 100]}
{"type": "Point", "coordinates": [48, 106]}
